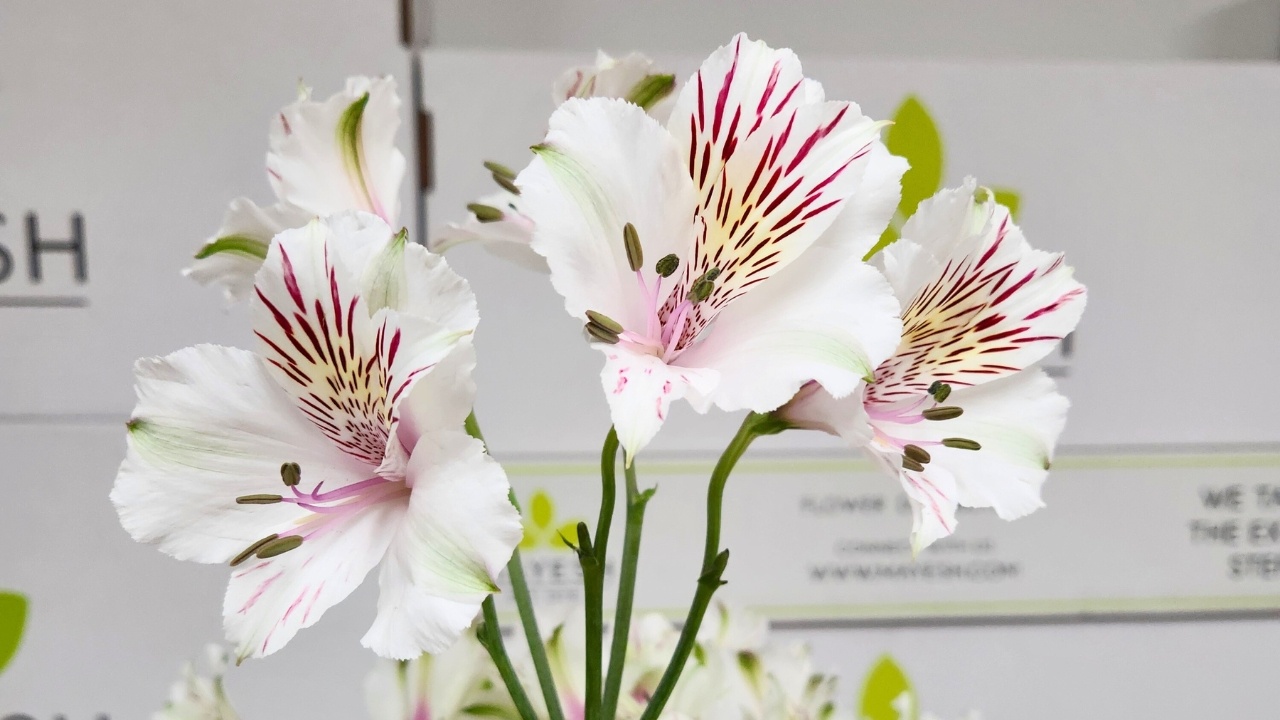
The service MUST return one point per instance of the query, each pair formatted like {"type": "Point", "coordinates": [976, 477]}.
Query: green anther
{"type": "Point", "coordinates": [291, 473]}
{"type": "Point", "coordinates": [605, 322]}
{"type": "Point", "coordinates": [506, 183]}
{"type": "Point", "coordinates": [499, 169]}
{"type": "Point", "coordinates": [485, 213]}
{"type": "Point", "coordinates": [601, 333]}
{"type": "Point", "coordinates": [939, 390]}
{"type": "Point", "coordinates": [711, 274]}
{"type": "Point", "coordinates": [244, 554]}
{"type": "Point", "coordinates": [961, 443]}
{"type": "Point", "coordinates": [631, 241]}
{"type": "Point", "coordinates": [944, 412]}
{"type": "Point", "coordinates": [917, 453]}
{"type": "Point", "coordinates": [910, 464]}
{"type": "Point", "coordinates": [667, 266]}
{"type": "Point", "coordinates": [279, 546]}
{"type": "Point", "coordinates": [263, 499]}
{"type": "Point", "coordinates": [701, 290]}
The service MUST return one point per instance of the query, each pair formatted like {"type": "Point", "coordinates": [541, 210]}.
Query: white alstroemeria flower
{"type": "Point", "coordinates": [199, 697]}
{"type": "Point", "coordinates": [498, 221]}
{"type": "Point", "coordinates": [460, 682]}
{"type": "Point", "coordinates": [958, 414]}
{"type": "Point", "coordinates": [323, 158]}
{"type": "Point", "coordinates": [339, 445]}
{"type": "Point", "coordinates": [700, 250]}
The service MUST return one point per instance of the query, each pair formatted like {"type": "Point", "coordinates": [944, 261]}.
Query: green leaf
{"type": "Point", "coordinates": [880, 692]}
{"type": "Point", "coordinates": [915, 137]}
{"type": "Point", "coordinates": [13, 618]}
{"type": "Point", "coordinates": [567, 530]}
{"type": "Point", "coordinates": [542, 511]}
{"type": "Point", "coordinates": [1008, 198]}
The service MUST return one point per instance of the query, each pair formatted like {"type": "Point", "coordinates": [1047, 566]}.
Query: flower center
{"type": "Point", "coordinates": [328, 510]}
{"type": "Point", "coordinates": [910, 412]}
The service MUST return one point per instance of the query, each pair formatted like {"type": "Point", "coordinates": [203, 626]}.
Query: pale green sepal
{"type": "Point", "coordinates": [651, 90]}
{"type": "Point", "coordinates": [236, 244]}
{"type": "Point", "coordinates": [349, 139]}
{"type": "Point", "coordinates": [385, 281]}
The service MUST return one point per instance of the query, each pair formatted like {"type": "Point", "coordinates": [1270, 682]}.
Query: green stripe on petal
{"type": "Point", "coordinates": [575, 178]}
{"type": "Point", "coordinates": [235, 244]}
{"type": "Point", "coordinates": [349, 139]}
{"type": "Point", "coordinates": [651, 90]}
{"type": "Point", "coordinates": [385, 281]}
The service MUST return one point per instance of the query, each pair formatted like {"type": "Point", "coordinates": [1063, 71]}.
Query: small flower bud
{"type": "Point", "coordinates": [291, 473]}
{"type": "Point", "coordinates": [961, 443]}
{"type": "Point", "coordinates": [631, 241]}
{"type": "Point", "coordinates": [667, 266]}
{"type": "Point", "coordinates": [944, 412]}
{"type": "Point", "coordinates": [605, 322]}
{"type": "Point", "coordinates": [279, 546]}
{"type": "Point", "coordinates": [499, 169]}
{"type": "Point", "coordinates": [485, 213]}
{"type": "Point", "coordinates": [917, 453]}
{"type": "Point", "coordinates": [939, 390]}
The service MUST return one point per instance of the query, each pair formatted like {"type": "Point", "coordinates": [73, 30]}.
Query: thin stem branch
{"type": "Point", "coordinates": [593, 586]}
{"type": "Point", "coordinates": [608, 491]}
{"type": "Point", "coordinates": [528, 620]}
{"type": "Point", "coordinates": [714, 560]}
{"type": "Point", "coordinates": [490, 636]}
{"type": "Point", "coordinates": [636, 502]}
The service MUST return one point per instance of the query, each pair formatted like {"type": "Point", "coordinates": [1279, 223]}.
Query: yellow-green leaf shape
{"type": "Point", "coordinates": [13, 619]}
{"type": "Point", "coordinates": [880, 691]}
{"type": "Point", "coordinates": [914, 136]}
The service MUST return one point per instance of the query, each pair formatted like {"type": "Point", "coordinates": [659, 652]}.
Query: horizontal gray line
{"type": "Point", "coordinates": [44, 301]}
{"type": "Point", "coordinates": [63, 418]}
{"type": "Point", "coordinates": [1083, 618]}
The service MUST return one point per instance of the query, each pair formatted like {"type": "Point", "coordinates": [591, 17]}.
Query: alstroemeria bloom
{"type": "Point", "coordinates": [958, 414]}
{"type": "Point", "coordinates": [698, 254]}
{"type": "Point", "coordinates": [498, 220]}
{"type": "Point", "coordinates": [199, 697]}
{"type": "Point", "coordinates": [337, 446]}
{"type": "Point", "coordinates": [323, 158]}
{"type": "Point", "coordinates": [460, 682]}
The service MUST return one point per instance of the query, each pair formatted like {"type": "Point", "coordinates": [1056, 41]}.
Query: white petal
{"type": "Point", "coordinates": [509, 238]}
{"type": "Point", "coordinates": [978, 302]}
{"type": "Point", "coordinates": [859, 226]}
{"type": "Point", "coordinates": [609, 77]}
{"type": "Point", "coordinates": [231, 257]}
{"type": "Point", "coordinates": [828, 317]}
{"type": "Point", "coordinates": [269, 600]}
{"type": "Point", "coordinates": [441, 400]}
{"type": "Point", "coordinates": [347, 370]}
{"type": "Point", "coordinates": [640, 389]}
{"type": "Point", "coordinates": [813, 408]}
{"type": "Point", "coordinates": [1016, 420]}
{"type": "Point", "coordinates": [458, 535]}
{"type": "Point", "coordinates": [605, 164]}
{"type": "Point", "coordinates": [340, 154]}
{"type": "Point", "coordinates": [211, 425]}
{"type": "Point", "coordinates": [778, 193]}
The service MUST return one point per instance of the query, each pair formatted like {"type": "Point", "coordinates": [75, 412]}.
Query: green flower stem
{"type": "Point", "coordinates": [490, 636]}
{"type": "Point", "coordinates": [593, 576]}
{"type": "Point", "coordinates": [608, 491]}
{"type": "Point", "coordinates": [714, 560]}
{"type": "Point", "coordinates": [636, 502]}
{"type": "Point", "coordinates": [528, 621]}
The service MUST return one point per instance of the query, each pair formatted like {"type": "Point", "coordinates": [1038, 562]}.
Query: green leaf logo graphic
{"type": "Point", "coordinates": [887, 693]}
{"type": "Point", "coordinates": [541, 528]}
{"type": "Point", "coordinates": [915, 136]}
{"type": "Point", "coordinates": [13, 618]}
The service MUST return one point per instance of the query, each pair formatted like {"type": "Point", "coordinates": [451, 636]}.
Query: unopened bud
{"type": "Point", "coordinates": [961, 443]}
{"type": "Point", "coordinates": [667, 266]}
{"type": "Point", "coordinates": [944, 412]}
{"type": "Point", "coordinates": [291, 473]}
{"type": "Point", "coordinates": [279, 546]}
{"type": "Point", "coordinates": [263, 499]}
{"type": "Point", "coordinates": [485, 213]}
{"type": "Point", "coordinates": [605, 322]}
{"type": "Point", "coordinates": [499, 169]}
{"type": "Point", "coordinates": [506, 183]}
{"type": "Point", "coordinates": [917, 453]}
{"type": "Point", "coordinates": [631, 241]}
{"type": "Point", "coordinates": [909, 464]}
{"type": "Point", "coordinates": [939, 390]}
